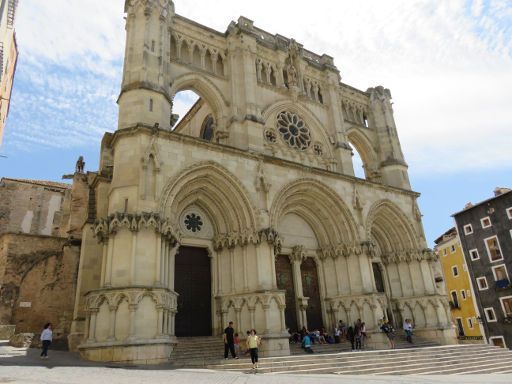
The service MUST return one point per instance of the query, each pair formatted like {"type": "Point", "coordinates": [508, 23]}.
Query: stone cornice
{"type": "Point", "coordinates": [407, 256]}
{"type": "Point", "coordinates": [181, 138]}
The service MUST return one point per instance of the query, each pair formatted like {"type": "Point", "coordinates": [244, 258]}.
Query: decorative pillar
{"type": "Point", "coordinates": [238, 315]}
{"type": "Point", "coordinates": [108, 268]}
{"type": "Point", "coordinates": [92, 325]}
{"type": "Point", "coordinates": [158, 263]}
{"type": "Point", "coordinates": [273, 269]}
{"type": "Point", "coordinates": [244, 261]}
{"type": "Point", "coordinates": [409, 266]}
{"type": "Point", "coordinates": [218, 257]}
{"type": "Point", "coordinates": [336, 273]}
{"type": "Point", "coordinates": [350, 280]}
{"type": "Point", "coordinates": [112, 324]}
{"type": "Point", "coordinates": [133, 258]}
{"type": "Point", "coordinates": [232, 269]}
{"type": "Point", "coordinates": [283, 320]}
{"type": "Point", "coordinates": [104, 261]}
{"type": "Point", "coordinates": [170, 266]}
{"type": "Point", "coordinates": [266, 309]}
{"type": "Point", "coordinates": [366, 277]}
{"type": "Point", "coordinates": [252, 312]}
{"type": "Point", "coordinates": [133, 310]}
{"type": "Point", "coordinates": [160, 321]}
{"type": "Point", "coordinates": [427, 280]}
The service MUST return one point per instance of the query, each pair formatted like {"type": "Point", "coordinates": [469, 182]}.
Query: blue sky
{"type": "Point", "coordinates": [448, 65]}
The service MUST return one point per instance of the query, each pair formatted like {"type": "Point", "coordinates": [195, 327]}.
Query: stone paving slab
{"type": "Point", "coordinates": [25, 367]}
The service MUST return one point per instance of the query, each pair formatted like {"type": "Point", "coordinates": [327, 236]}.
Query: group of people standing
{"type": "Point", "coordinates": [232, 344]}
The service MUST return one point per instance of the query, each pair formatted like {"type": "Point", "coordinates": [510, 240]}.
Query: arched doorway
{"type": "Point", "coordinates": [311, 289]}
{"type": "Point", "coordinates": [284, 274]}
{"type": "Point", "coordinates": [193, 285]}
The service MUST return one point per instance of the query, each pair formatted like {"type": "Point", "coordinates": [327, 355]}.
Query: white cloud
{"type": "Point", "coordinates": [448, 64]}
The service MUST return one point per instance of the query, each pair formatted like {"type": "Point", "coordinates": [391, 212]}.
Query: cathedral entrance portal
{"type": "Point", "coordinates": [193, 284]}
{"type": "Point", "coordinates": [311, 290]}
{"type": "Point", "coordinates": [284, 274]}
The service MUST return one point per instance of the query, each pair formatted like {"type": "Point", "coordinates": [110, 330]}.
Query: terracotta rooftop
{"type": "Point", "coordinates": [42, 183]}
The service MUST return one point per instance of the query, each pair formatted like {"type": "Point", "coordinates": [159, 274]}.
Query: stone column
{"type": "Point", "coordinates": [366, 276]}
{"type": "Point", "coordinates": [409, 266]}
{"type": "Point", "coordinates": [336, 274]}
{"type": "Point", "coordinates": [160, 321]}
{"type": "Point", "coordinates": [427, 280]}
{"type": "Point", "coordinates": [92, 325]}
{"type": "Point", "coordinates": [159, 263]}
{"type": "Point", "coordinates": [112, 323]}
{"type": "Point", "coordinates": [104, 262]}
{"type": "Point", "coordinates": [108, 268]}
{"type": "Point", "coordinates": [244, 261]}
{"type": "Point", "coordinates": [232, 269]}
{"type": "Point", "coordinates": [266, 309]}
{"type": "Point", "coordinates": [131, 333]}
{"type": "Point", "coordinates": [170, 267]}
{"type": "Point", "coordinates": [283, 320]}
{"type": "Point", "coordinates": [133, 265]}
{"type": "Point", "coordinates": [252, 312]}
{"type": "Point", "coordinates": [238, 314]}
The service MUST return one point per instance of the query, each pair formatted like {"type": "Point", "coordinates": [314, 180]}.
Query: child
{"type": "Point", "coordinates": [236, 341]}
{"type": "Point", "coordinates": [253, 342]}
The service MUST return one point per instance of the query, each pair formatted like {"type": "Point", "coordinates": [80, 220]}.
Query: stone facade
{"type": "Point", "coordinates": [40, 234]}
{"type": "Point", "coordinates": [266, 202]}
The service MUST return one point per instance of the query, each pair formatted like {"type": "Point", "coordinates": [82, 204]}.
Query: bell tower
{"type": "Point", "coordinates": [145, 93]}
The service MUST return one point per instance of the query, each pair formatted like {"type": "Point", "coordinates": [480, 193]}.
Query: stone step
{"type": "Point", "coordinates": [333, 365]}
{"type": "Point", "coordinates": [349, 358]}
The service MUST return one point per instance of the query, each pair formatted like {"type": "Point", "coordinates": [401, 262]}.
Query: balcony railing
{"type": "Point", "coordinates": [503, 284]}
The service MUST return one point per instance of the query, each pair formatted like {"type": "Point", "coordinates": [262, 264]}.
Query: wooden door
{"type": "Point", "coordinates": [311, 289]}
{"type": "Point", "coordinates": [193, 284]}
{"type": "Point", "coordinates": [284, 274]}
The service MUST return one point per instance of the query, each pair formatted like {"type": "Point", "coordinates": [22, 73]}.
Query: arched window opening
{"type": "Point", "coordinates": [208, 128]}
{"type": "Point", "coordinates": [195, 116]}
{"type": "Point", "coordinates": [365, 120]}
{"type": "Point", "coordinates": [357, 162]}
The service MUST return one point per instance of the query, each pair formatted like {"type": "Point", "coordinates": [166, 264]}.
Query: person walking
{"type": "Point", "coordinates": [363, 335]}
{"type": "Point", "coordinates": [358, 335]}
{"type": "Point", "coordinates": [46, 339]}
{"type": "Point", "coordinates": [388, 329]}
{"type": "Point", "coordinates": [253, 342]}
{"type": "Point", "coordinates": [229, 341]}
{"type": "Point", "coordinates": [408, 330]}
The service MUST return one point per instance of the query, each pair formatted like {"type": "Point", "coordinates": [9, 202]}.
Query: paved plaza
{"type": "Point", "coordinates": [21, 366]}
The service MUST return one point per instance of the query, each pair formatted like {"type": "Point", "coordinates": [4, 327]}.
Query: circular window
{"type": "Point", "coordinates": [193, 222]}
{"type": "Point", "coordinates": [293, 130]}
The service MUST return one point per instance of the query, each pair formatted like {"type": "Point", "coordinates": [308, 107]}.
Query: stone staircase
{"type": "Point", "coordinates": [446, 360]}
{"type": "Point", "coordinates": [198, 352]}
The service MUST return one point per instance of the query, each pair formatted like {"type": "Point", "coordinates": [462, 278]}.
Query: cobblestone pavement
{"type": "Point", "coordinates": [18, 366]}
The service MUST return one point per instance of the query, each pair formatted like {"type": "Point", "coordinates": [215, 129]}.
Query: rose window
{"type": "Point", "coordinates": [293, 130]}
{"type": "Point", "coordinates": [193, 222]}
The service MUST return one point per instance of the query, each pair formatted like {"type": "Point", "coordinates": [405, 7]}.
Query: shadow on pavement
{"type": "Point", "coordinates": [31, 357]}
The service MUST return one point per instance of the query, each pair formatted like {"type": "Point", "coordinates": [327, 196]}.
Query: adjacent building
{"type": "Point", "coordinates": [40, 230]}
{"type": "Point", "coordinates": [458, 287]}
{"type": "Point", "coordinates": [485, 231]}
{"type": "Point", "coordinates": [8, 58]}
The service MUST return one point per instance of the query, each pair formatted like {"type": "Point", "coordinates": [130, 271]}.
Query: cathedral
{"type": "Point", "coordinates": [247, 208]}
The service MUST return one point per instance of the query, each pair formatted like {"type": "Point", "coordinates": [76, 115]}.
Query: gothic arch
{"type": "Point", "coordinates": [215, 190]}
{"type": "Point", "coordinates": [320, 207]}
{"type": "Point", "coordinates": [390, 228]}
{"type": "Point", "coordinates": [205, 88]}
{"type": "Point", "coordinates": [365, 148]}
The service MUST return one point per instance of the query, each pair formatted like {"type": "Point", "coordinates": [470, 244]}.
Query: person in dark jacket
{"type": "Point", "coordinates": [351, 336]}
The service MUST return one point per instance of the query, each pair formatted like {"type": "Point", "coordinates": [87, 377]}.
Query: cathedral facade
{"type": "Point", "coordinates": [247, 210]}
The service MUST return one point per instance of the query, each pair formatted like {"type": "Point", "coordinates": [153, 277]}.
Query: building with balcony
{"type": "Point", "coordinates": [459, 288]}
{"type": "Point", "coordinates": [485, 231]}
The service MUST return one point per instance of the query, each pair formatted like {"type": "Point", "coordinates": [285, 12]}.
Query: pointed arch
{"type": "Point", "coordinates": [206, 89]}
{"type": "Point", "coordinates": [215, 190]}
{"type": "Point", "coordinates": [320, 207]}
{"type": "Point", "coordinates": [389, 227]}
{"type": "Point", "coordinates": [363, 144]}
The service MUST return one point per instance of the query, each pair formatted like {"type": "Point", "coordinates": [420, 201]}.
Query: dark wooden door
{"type": "Point", "coordinates": [193, 284]}
{"type": "Point", "coordinates": [284, 276]}
{"type": "Point", "coordinates": [311, 289]}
